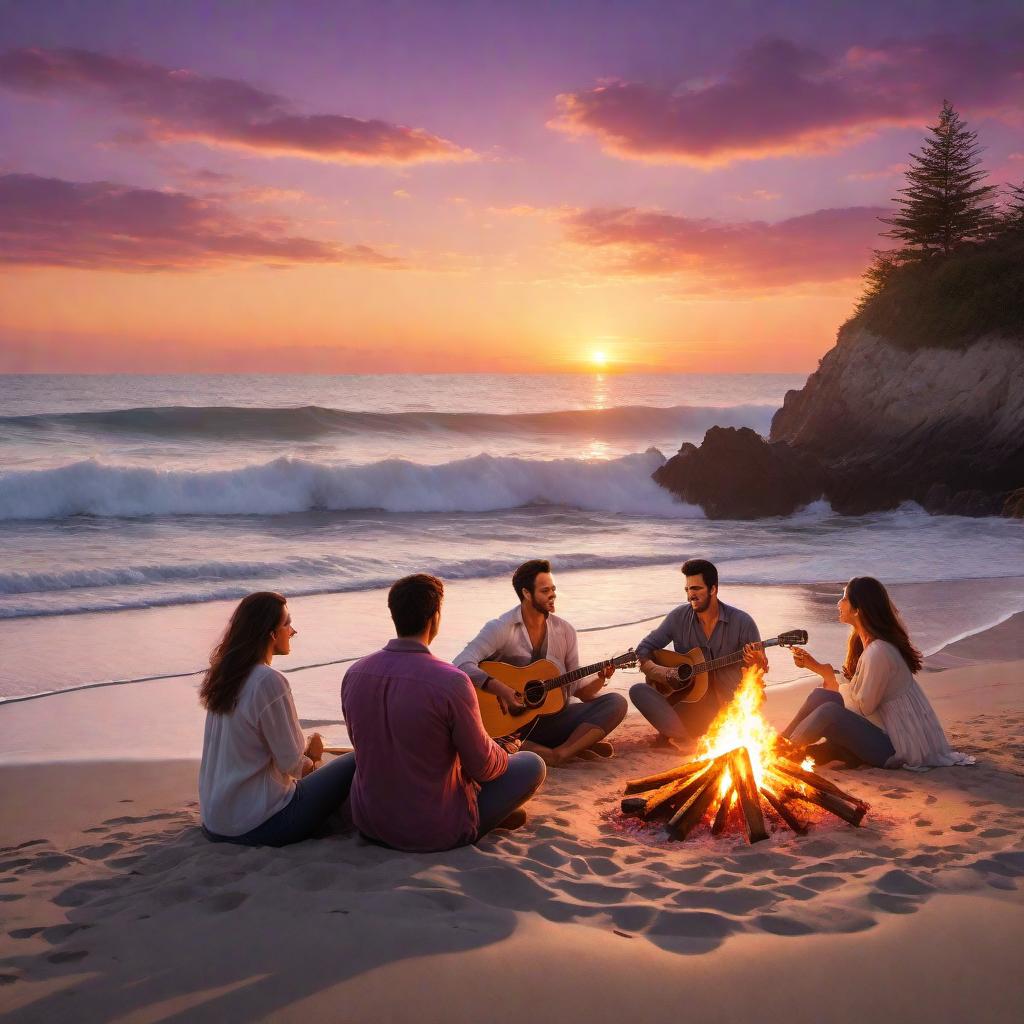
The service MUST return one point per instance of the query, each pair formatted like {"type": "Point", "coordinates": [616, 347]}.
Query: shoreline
{"type": "Point", "coordinates": [116, 907]}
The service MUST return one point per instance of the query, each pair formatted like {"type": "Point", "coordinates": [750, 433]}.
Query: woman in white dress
{"type": "Point", "coordinates": [881, 716]}
{"type": "Point", "coordinates": [257, 783]}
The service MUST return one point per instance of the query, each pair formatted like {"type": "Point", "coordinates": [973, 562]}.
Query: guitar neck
{"type": "Point", "coordinates": [579, 673]}
{"type": "Point", "coordinates": [731, 659]}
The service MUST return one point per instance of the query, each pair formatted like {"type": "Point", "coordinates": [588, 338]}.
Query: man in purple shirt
{"type": "Point", "coordinates": [428, 777]}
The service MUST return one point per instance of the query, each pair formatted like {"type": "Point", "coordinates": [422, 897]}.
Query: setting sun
{"type": "Point", "coordinates": [599, 358]}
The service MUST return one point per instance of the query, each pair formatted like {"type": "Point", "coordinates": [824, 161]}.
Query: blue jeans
{"type": "Point", "coordinates": [684, 721]}
{"type": "Point", "coordinates": [316, 797]}
{"type": "Point", "coordinates": [824, 716]}
{"type": "Point", "coordinates": [604, 712]}
{"type": "Point", "coordinates": [498, 798]}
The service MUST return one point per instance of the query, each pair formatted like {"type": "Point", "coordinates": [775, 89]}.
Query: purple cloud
{"type": "Point", "coordinates": [780, 98]}
{"type": "Point", "coordinates": [827, 245]}
{"type": "Point", "coordinates": [102, 226]}
{"type": "Point", "coordinates": [184, 105]}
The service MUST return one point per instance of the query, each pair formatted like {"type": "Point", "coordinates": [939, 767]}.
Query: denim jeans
{"type": "Point", "coordinates": [604, 712]}
{"type": "Point", "coordinates": [684, 721]}
{"type": "Point", "coordinates": [316, 797]}
{"type": "Point", "coordinates": [498, 798]}
{"type": "Point", "coordinates": [824, 716]}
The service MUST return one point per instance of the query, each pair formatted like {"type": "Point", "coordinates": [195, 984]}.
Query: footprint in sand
{"type": "Point", "coordinates": [68, 957]}
{"type": "Point", "coordinates": [96, 852]}
{"type": "Point", "coordinates": [24, 933]}
{"type": "Point", "coordinates": [222, 902]}
{"type": "Point", "coordinates": [902, 883]}
{"type": "Point", "coordinates": [11, 897]}
{"type": "Point", "coordinates": [58, 933]}
{"type": "Point", "coordinates": [995, 833]}
{"type": "Point", "coordinates": [964, 826]}
{"type": "Point", "coordinates": [778, 925]}
{"type": "Point", "coordinates": [80, 893]}
{"type": "Point", "coordinates": [893, 904]}
{"type": "Point", "coordinates": [736, 902]}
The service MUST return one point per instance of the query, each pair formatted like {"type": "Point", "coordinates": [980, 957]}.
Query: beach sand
{"type": "Point", "coordinates": [116, 909]}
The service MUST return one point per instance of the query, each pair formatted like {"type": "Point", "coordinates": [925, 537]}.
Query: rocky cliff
{"type": "Point", "coordinates": [940, 426]}
{"type": "Point", "coordinates": [874, 426]}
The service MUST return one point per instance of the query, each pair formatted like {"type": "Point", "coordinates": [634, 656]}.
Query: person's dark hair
{"type": "Point", "coordinates": [243, 645]}
{"type": "Point", "coordinates": [413, 600]}
{"type": "Point", "coordinates": [701, 567]}
{"type": "Point", "coordinates": [881, 619]}
{"type": "Point", "coordinates": [526, 575]}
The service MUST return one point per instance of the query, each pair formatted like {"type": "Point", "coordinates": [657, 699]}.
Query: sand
{"type": "Point", "coordinates": [116, 909]}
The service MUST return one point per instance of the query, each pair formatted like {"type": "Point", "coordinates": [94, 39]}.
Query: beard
{"type": "Point", "coordinates": [701, 606]}
{"type": "Point", "coordinates": [539, 608]}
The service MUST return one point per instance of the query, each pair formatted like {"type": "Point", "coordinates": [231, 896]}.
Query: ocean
{"type": "Point", "coordinates": [135, 510]}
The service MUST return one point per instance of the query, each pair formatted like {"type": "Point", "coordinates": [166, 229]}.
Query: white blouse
{"type": "Point", "coordinates": [884, 690]}
{"type": "Point", "coordinates": [251, 756]}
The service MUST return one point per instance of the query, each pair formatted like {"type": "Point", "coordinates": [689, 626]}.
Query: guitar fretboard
{"type": "Point", "coordinates": [729, 659]}
{"type": "Point", "coordinates": [587, 670]}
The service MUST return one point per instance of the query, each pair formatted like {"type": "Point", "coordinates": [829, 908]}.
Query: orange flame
{"type": "Point", "coordinates": [741, 724]}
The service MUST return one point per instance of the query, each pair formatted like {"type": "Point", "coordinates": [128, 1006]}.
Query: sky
{"type": "Point", "coordinates": [335, 187]}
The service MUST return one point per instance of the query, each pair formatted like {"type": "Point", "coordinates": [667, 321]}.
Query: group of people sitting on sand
{"type": "Point", "coordinates": [425, 775]}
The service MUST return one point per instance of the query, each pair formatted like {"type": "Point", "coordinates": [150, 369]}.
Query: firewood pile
{"type": "Point", "coordinates": [712, 789]}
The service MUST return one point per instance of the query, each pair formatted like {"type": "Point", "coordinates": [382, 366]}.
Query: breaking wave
{"type": "Point", "coordinates": [483, 483]}
{"type": "Point", "coordinates": [310, 422]}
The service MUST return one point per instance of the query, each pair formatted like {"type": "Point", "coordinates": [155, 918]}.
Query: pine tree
{"type": "Point", "coordinates": [883, 263]}
{"type": "Point", "coordinates": [944, 204]}
{"type": "Point", "coordinates": [1012, 220]}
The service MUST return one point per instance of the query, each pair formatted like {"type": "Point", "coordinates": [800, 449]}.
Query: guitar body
{"type": "Point", "coordinates": [527, 680]}
{"type": "Point", "coordinates": [697, 686]}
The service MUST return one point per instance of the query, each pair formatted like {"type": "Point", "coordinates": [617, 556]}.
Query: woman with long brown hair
{"type": "Point", "coordinates": [257, 783]}
{"type": "Point", "coordinates": [882, 718]}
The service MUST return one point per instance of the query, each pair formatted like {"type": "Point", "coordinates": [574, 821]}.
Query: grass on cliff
{"type": "Point", "coordinates": [953, 301]}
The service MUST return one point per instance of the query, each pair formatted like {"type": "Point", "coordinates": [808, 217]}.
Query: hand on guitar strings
{"type": "Point", "coordinates": [753, 654]}
{"type": "Point", "coordinates": [508, 698]}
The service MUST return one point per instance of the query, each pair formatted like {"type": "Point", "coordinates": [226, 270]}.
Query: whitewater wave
{"type": "Point", "coordinates": [311, 422]}
{"type": "Point", "coordinates": [483, 483]}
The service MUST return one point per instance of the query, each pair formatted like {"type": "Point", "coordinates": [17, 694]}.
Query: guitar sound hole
{"type": "Point", "coordinates": [533, 694]}
{"type": "Point", "coordinates": [685, 672]}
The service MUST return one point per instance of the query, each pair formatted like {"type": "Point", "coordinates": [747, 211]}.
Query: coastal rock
{"type": "Point", "coordinates": [943, 427]}
{"type": "Point", "coordinates": [736, 474]}
{"type": "Point", "coordinates": [1013, 506]}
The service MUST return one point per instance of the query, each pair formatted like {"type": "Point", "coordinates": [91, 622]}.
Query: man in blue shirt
{"type": "Point", "coordinates": [717, 629]}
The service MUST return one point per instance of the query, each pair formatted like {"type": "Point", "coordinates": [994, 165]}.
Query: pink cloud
{"type": "Point", "coordinates": [102, 226]}
{"type": "Point", "coordinates": [824, 246]}
{"type": "Point", "coordinates": [779, 98]}
{"type": "Point", "coordinates": [185, 105]}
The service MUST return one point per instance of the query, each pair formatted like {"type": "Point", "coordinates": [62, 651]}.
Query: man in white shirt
{"type": "Point", "coordinates": [532, 631]}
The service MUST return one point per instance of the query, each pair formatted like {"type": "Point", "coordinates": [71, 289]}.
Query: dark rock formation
{"type": "Point", "coordinates": [875, 426]}
{"type": "Point", "coordinates": [736, 474]}
{"type": "Point", "coordinates": [942, 427]}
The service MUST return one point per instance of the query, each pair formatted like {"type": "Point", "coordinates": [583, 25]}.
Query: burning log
{"type": "Point", "coordinates": [815, 781]}
{"type": "Point", "coordinates": [690, 814]}
{"type": "Point", "coordinates": [830, 802]}
{"type": "Point", "coordinates": [742, 761]}
{"type": "Point", "coordinates": [746, 788]}
{"type": "Point", "coordinates": [722, 815]}
{"type": "Point", "coordinates": [645, 806]}
{"type": "Point", "coordinates": [784, 812]}
{"type": "Point", "coordinates": [654, 781]}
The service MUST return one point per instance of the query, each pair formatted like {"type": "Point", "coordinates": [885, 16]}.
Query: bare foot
{"type": "Point", "coordinates": [551, 757]}
{"type": "Point", "coordinates": [517, 819]}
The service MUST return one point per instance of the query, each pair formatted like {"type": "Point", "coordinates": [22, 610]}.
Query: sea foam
{"type": "Point", "coordinates": [483, 483]}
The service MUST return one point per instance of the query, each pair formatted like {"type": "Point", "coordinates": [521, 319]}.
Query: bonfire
{"type": "Point", "coordinates": [741, 761]}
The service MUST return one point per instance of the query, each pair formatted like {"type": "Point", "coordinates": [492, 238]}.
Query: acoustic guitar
{"type": "Point", "coordinates": [543, 687]}
{"type": "Point", "coordinates": [692, 682]}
